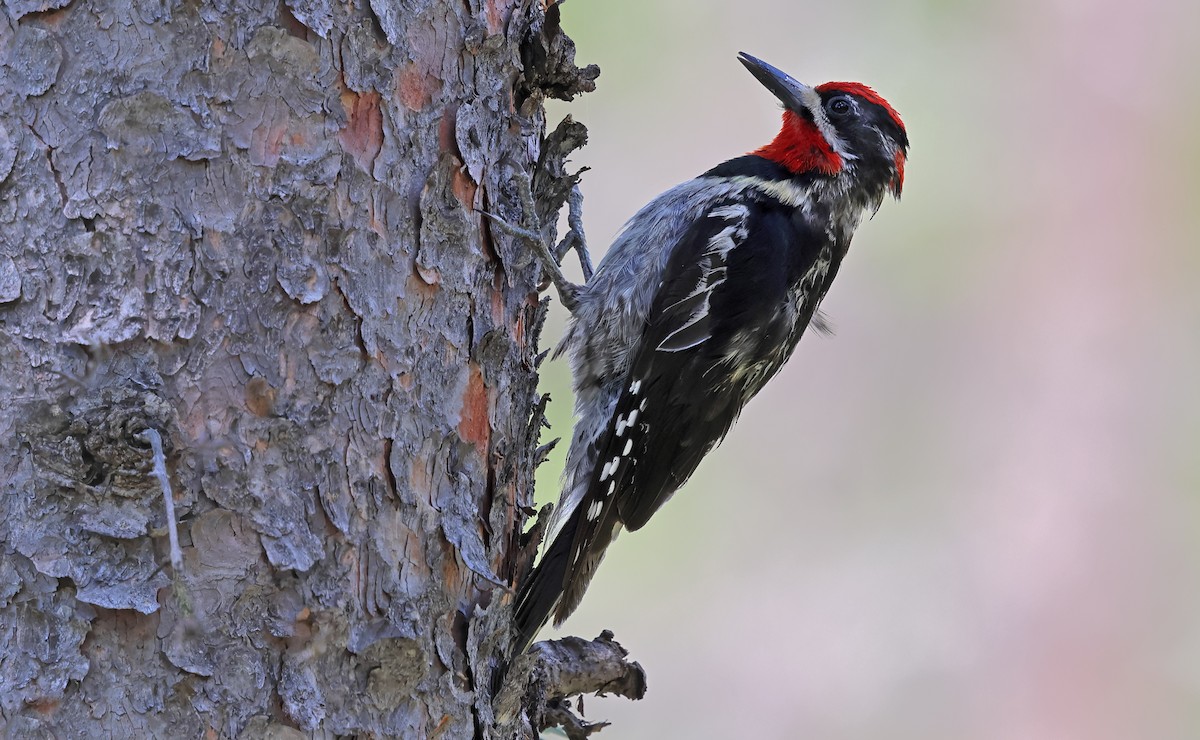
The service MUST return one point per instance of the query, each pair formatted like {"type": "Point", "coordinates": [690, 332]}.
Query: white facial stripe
{"type": "Point", "coordinates": [812, 101]}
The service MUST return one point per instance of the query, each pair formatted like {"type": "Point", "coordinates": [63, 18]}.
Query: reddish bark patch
{"type": "Point", "coordinates": [464, 188]}
{"type": "Point", "coordinates": [260, 397]}
{"type": "Point", "coordinates": [266, 143]}
{"type": "Point", "coordinates": [414, 88]}
{"type": "Point", "coordinates": [452, 577]}
{"type": "Point", "coordinates": [474, 426]}
{"type": "Point", "coordinates": [418, 286]}
{"type": "Point", "coordinates": [519, 331]}
{"type": "Point", "coordinates": [487, 242]}
{"type": "Point", "coordinates": [496, 11]}
{"type": "Point", "coordinates": [363, 134]}
{"type": "Point", "coordinates": [49, 18]}
{"type": "Point", "coordinates": [293, 25]}
{"type": "Point", "coordinates": [44, 705]}
{"type": "Point", "coordinates": [431, 275]}
{"type": "Point", "coordinates": [497, 305]}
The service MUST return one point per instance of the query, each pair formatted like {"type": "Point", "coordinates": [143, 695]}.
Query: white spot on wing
{"type": "Point", "coordinates": [634, 414]}
{"type": "Point", "coordinates": [593, 512]}
{"type": "Point", "coordinates": [610, 469]}
{"type": "Point", "coordinates": [635, 386]}
{"type": "Point", "coordinates": [628, 448]}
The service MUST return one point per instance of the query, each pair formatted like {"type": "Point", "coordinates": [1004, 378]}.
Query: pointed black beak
{"type": "Point", "coordinates": [794, 95]}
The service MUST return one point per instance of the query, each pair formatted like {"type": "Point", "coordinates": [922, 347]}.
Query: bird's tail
{"type": "Point", "coordinates": [540, 595]}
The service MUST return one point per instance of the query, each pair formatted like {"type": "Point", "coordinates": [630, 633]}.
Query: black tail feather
{"type": "Point", "coordinates": [541, 593]}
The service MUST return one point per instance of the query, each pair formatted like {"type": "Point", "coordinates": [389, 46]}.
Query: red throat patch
{"type": "Point", "coordinates": [800, 147]}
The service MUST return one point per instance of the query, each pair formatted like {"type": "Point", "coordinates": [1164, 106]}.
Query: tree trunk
{"type": "Point", "coordinates": [255, 229]}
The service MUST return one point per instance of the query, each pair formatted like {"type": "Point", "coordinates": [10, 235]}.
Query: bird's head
{"type": "Point", "coordinates": [833, 129]}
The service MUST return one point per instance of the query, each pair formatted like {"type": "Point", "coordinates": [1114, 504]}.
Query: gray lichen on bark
{"type": "Point", "coordinates": [253, 227]}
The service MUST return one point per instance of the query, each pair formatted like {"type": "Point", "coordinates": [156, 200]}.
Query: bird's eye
{"type": "Point", "coordinates": [840, 106]}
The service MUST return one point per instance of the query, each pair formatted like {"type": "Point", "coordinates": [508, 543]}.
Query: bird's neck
{"type": "Point", "coordinates": [800, 148]}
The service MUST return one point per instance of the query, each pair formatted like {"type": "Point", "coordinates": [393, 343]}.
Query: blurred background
{"type": "Point", "coordinates": [974, 512]}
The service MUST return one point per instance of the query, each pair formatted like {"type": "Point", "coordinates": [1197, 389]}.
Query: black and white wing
{"type": "Point", "coordinates": [725, 318]}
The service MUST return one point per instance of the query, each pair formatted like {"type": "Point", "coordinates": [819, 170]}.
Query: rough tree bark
{"type": "Point", "coordinates": [253, 227]}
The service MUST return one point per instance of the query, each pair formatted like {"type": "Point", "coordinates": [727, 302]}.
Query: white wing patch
{"type": "Point", "coordinates": [732, 212]}
{"type": "Point", "coordinates": [712, 274]}
{"type": "Point", "coordinates": [784, 191]}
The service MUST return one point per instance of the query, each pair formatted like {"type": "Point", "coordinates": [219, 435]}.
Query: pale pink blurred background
{"type": "Point", "coordinates": [974, 512]}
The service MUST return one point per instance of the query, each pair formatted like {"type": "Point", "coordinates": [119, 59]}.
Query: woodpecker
{"type": "Point", "coordinates": [698, 303]}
